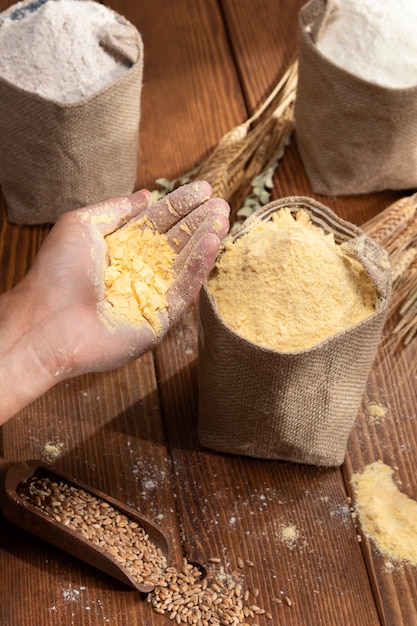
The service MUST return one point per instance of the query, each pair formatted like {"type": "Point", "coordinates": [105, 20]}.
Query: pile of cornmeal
{"type": "Point", "coordinates": [286, 284]}
{"type": "Point", "coordinates": [387, 516]}
{"type": "Point", "coordinates": [139, 273]}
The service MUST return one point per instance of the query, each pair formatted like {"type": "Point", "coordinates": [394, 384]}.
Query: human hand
{"type": "Point", "coordinates": [61, 309]}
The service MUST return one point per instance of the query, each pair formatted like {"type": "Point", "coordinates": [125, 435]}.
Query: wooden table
{"type": "Point", "coordinates": [133, 432]}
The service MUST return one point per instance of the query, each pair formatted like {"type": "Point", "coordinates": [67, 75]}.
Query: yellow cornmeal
{"type": "Point", "coordinates": [387, 516]}
{"type": "Point", "coordinates": [287, 285]}
{"type": "Point", "coordinates": [375, 412]}
{"type": "Point", "coordinates": [289, 536]}
{"type": "Point", "coordinates": [139, 273]}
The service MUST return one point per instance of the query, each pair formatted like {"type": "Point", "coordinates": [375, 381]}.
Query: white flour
{"type": "Point", "coordinates": [375, 40]}
{"type": "Point", "coordinates": [54, 51]}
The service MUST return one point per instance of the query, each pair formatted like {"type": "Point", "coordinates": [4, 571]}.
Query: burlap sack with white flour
{"type": "Point", "coordinates": [354, 136]}
{"type": "Point", "coordinates": [297, 406]}
{"type": "Point", "coordinates": [55, 156]}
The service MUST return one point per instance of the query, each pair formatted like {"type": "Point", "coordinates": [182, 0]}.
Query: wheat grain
{"type": "Point", "coordinates": [229, 148]}
{"type": "Point", "coordinates": [184, 596]}
{"type": "Point", "coordinates": [100, 523]}
{"type": "Point", "coordinates": [405, 238]}
{"type": "Point", "coordinates": [401, 261]}
{"type": "Point", "coordinates": [385, 226]}
{"type": "Point", "coordinates": [395, 228]}
{"type": "Point", "coordinates": [188, 599]}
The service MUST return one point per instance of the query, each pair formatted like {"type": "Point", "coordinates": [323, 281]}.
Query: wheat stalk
{"type": "Point", "coordinates": [240, 169]}
{"type": "Point", "coordinates": [395, 229]}
{"type": "Point", "coordinates": [241, 165]}
{"type": "Point", "coordinates": [400, 262]}
{"type": "Point", "coordinates": [384, 226]}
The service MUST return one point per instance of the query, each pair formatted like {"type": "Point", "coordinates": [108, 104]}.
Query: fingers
{"type": "Point", "coordinates": [193, 274]}
{"type": "Point", "coordinates": [213, 215]}
{"type": "Point", "coordinates": [198, 254]}
{"type": "Point", "coordinates": [167, 212]}
{"type": "Point", "coordinates": [216, 223]}
{"type": "Point", "coordinates": [195, 262]}
{"type": "Point", "coordinates": [111, 214]}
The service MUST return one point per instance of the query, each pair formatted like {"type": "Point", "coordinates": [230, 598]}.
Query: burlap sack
{"type": "Point", "coordinates": [55, 157]}
{"type": "Point", "coordinates": [353, 136]}
{"type": "Point", "coordinates": [297, 406]}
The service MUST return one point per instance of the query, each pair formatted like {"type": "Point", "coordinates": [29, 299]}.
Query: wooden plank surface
{"type": "Point", "coordinates": [133, 432]}
{"type": "Point", "coordinates": [392, 440]}
{"type": "Point", "coordinates": [231, 507]}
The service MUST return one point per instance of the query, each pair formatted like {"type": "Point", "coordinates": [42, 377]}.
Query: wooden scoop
{"type": "Point", "coordinates": [32, 519]}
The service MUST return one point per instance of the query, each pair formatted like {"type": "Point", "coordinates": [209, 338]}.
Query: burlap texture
{"type": "Point", "coordinates": [56, 157]}
{"type": "Point", "coordinates": [296, 406]}
{"type": "Point", "coordinates": [353, 136]}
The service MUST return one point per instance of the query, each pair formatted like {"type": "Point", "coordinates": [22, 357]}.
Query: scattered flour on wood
{"type": "Point", "coordinates": [71, 594]}
{"type": "Point", "coordinates": [373, 39]}
{"type": "Point", "coordinates": [52, 450]}
{"type": "Point", "coordinates": [375, 412]}
{"type": "Point", "coordinates": [55, 52]}
{"type": "Point", "coordinates": [289, 536]}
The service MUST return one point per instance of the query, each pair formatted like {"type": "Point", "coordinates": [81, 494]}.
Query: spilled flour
{"type": "Point", "coordinates": [387, 516]}
{"type": "Point", "coordinates": [289, 536]}
{"type": "Point", "coordinates": [375, 412]}
{"type": "Point", "coordinates": [139, 274]}
{"type": "Point", "coordinates": [52, 450]}
{"type": "Point", "coordinates": [286, 284]}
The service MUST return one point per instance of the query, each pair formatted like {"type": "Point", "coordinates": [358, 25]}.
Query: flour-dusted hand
{"type": "Point", "coordinates": [159, 259]}
{"type": "Point", "coordinates": [59, 321]}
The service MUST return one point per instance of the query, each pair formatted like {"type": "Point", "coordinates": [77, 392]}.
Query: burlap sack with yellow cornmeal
{"type": "Point", "coordinates": [296, 406]}
{"type": "Point", "coordinates": [55, 157]}
{"type": "Point", "coordinates": [353, 136]}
